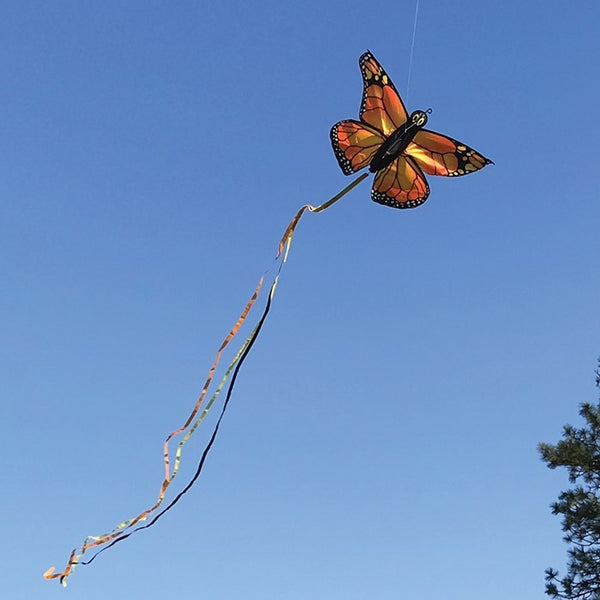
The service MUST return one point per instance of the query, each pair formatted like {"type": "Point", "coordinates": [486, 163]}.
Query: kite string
{"type": "Point", "coordinates": [412, 48]}
{"type": "Point", "coordinates": [120, 531]}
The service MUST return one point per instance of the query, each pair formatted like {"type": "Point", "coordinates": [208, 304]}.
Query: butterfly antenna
{"type": "Point", "coordinates": [412, 47]}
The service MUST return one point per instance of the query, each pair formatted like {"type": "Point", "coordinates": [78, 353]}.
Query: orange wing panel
{"type": "Point", "coordinates": [381, 105]}
{"type": "Point", "coordinates": [400, 185]}
{"type": "Point", "coordinates": [354, 144]}
{"type": "Point", "coordinates": [439, 154]}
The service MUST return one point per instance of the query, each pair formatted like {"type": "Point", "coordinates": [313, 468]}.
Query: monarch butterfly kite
{"type": "Point", "coordinates": [392, 144]}
{"type": "Point", "coordinates": [395, 146]}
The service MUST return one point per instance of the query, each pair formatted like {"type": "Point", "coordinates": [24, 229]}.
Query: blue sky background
{"type": "Point", "coordinates": [381, 442]}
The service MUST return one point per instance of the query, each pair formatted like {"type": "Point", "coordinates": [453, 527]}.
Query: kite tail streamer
{"type": "Point", "coordinates": [94, 541]}
{"type": "Point", "coordinates": [235, 367]}
{"type": "Point", "coordinates": [289, 232]}
{"type": "Point", "coordinates": [126, 528]}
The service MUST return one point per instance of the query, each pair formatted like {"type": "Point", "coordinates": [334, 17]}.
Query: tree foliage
{"type": "Point", "coordinates": [579, 452]}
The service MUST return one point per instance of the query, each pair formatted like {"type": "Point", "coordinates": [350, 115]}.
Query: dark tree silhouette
{"type": "Point", "coordinates": [579, 453]}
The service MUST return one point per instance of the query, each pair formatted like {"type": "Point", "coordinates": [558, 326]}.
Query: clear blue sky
{"type": "Point", "coordinates": [381, 442]}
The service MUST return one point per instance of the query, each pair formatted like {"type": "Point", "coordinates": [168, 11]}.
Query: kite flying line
{"type": "Point", "coordinates": [399, 151]}
{"type": "Point", "coordinates": [412, 47]}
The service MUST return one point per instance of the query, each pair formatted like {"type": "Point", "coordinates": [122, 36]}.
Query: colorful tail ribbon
{"type": "Point", "coordinates": [126, 528]}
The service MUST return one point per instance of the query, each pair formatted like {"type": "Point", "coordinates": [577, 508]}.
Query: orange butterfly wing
{"type": "Point", "coordinates": [439, 154]}
{"type": "Point", "coordinates": [401, 184]}
{"type": "Point", "coordinates": [381, 113]}
{"type": "Point", "coordinates": [381, 105]}
{"type": "Point", "coordinates": [354, 144]}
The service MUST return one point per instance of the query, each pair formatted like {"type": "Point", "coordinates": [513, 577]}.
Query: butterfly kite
{"type": "Point", "coordinates": [395, 146]}
{"type": "Point", "coordinates": [392, 144]}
